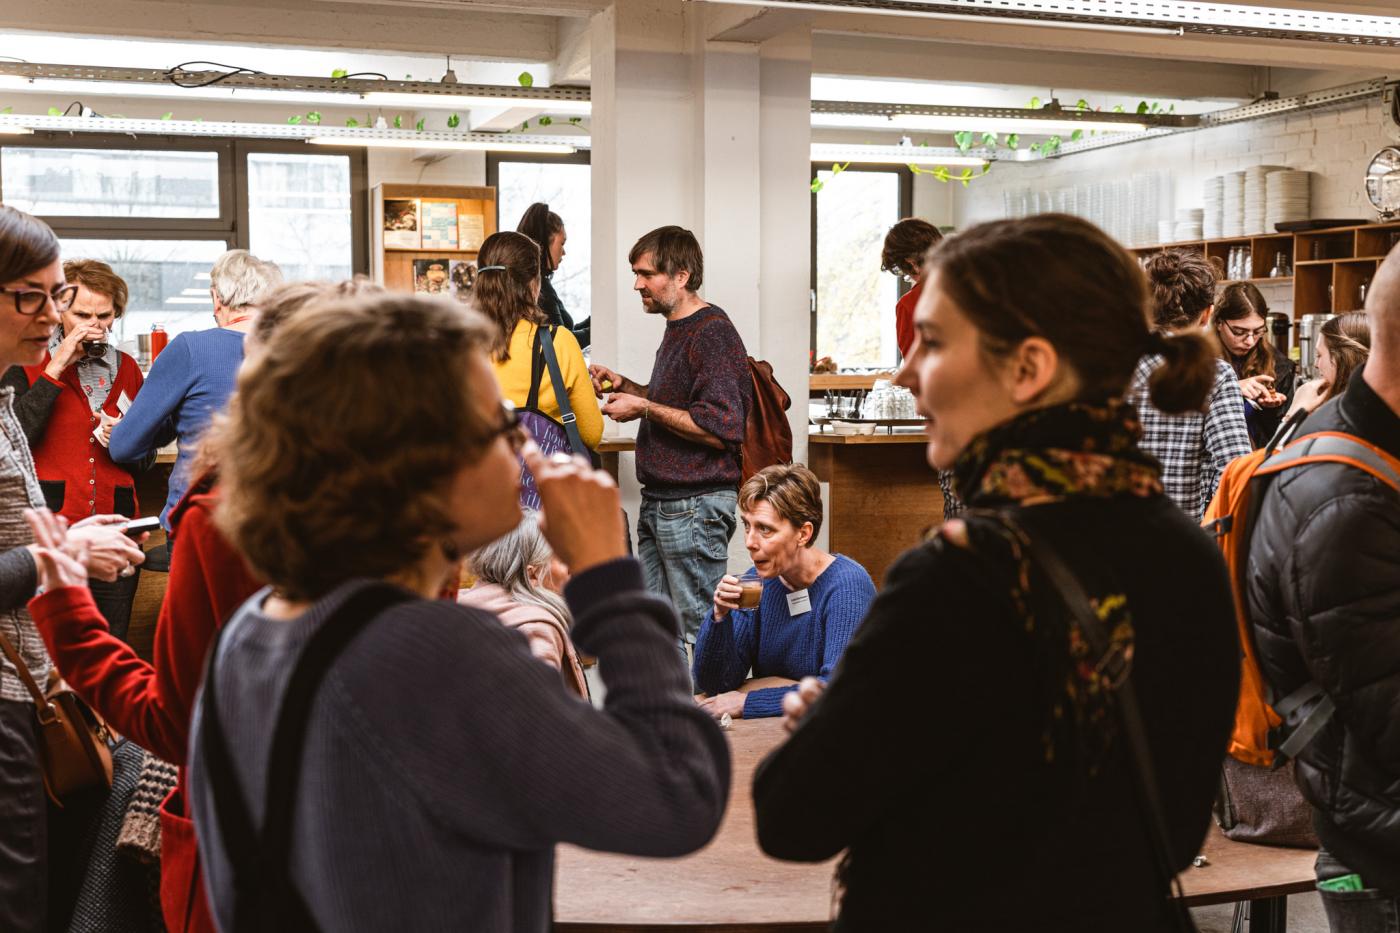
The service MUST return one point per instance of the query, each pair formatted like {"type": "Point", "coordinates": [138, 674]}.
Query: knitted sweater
{"type": "Point", "coordinates": [772, 642]}
{"type": "Point", "coordinates": [443, 763]}
{"type": "Point", "coordinates": [702, 368]}
{"type": "Point", "coordinates": [188, 384]}
{"type": "Point", "coordinates": [19, 489]}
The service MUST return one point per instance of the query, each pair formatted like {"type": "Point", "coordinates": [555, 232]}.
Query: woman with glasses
{"type": "Point", "coordinates": [33, 294]}
{"type": "Point", "coordinates": [428, 791]}
{"type": "Point", "coordinates": [1241, 325]}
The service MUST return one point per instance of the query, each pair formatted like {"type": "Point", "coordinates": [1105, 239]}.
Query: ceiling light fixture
{"type": "Point", "coordinates": [15, 131]}
{"type": "Point", "coordinates": [892, 155]}
{"type": "Point", "coordinates": [937, 118]}
{"type": "Point", "coordinates": [472, 145]}
{"type": "Point", "coordinates": [922, 11]}
{"type": "Point", "coordinates": [950, 124]}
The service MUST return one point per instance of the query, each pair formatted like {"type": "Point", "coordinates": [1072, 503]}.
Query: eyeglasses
{"type": "Point", "coordinates": [30, 301]}
{"type": "Point", "coordinates": [511, 428]}
{"type": "Point", "coordinates": [1242, 332]}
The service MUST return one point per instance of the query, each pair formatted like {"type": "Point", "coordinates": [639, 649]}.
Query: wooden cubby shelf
{"type": "Point", "coordinates": [472, 213]}
{"type": "Point", "coordinates": [1329, 266]}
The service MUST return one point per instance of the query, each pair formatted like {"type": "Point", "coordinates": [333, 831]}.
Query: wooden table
{"type": "Point", "coordinates": [732, 887]}
{"type": "Point", "coordinates": [882, 494]}
{"type": "Point", "coordinates": [727, 887]}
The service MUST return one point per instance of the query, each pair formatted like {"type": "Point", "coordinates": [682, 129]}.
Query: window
{"type": "Point", "coordinates": [161, 211]}
{"type": "Point", "coordinates": [564, 184]}
{"type": "Point", "coordinates": [853, 301]}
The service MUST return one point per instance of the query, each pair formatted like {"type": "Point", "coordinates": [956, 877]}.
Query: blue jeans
{"type": "Point", "coordinates": [684, 548]}
{"type": "Point", "coordinates": [1366, 911]}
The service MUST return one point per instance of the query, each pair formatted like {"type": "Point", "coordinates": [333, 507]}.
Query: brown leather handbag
{"type": "Point", "coordinates": [73, 750]}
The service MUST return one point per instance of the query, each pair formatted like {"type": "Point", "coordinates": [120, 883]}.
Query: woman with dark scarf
{"type": "Point", "coordinates": [546, 228]}
{"type": "Point", "coordinates": [969, 754]}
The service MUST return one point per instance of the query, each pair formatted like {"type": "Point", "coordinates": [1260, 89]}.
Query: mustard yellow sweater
{"type": "Point", "coordinates": [514, 378]}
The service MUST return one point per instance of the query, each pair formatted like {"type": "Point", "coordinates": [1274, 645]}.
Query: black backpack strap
{"type": "Point", "coordinates": [532, 401]}
{"type": "Point", "coordinates": [1150, 798]}
{"type": "Point", "coordinates": [265, 896]}
{"type": "Point", "coordinates": [561, 394]}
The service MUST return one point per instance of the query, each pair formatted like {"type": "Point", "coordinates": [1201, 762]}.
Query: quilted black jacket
{"type": "Point", "coordinates": [1324, 600]}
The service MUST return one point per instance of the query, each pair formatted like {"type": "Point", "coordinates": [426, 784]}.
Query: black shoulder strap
{"type": "Point", "coordinates": [265, 898]}
{"type": "Point", "coordinates": [561, 395]}
{"type": "Point", "coordinates": [532, 401]}
{"type": "Point", "coordinates": [1077, 602]}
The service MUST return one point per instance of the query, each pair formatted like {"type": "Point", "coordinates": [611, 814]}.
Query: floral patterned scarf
{"type": "Point", "coordinates": [1058, 454]}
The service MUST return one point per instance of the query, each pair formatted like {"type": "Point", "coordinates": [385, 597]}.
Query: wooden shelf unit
{"type": "Point", "coordinates": [1329, 265]}
{"type": "Point", "coordinates": [392, 266]}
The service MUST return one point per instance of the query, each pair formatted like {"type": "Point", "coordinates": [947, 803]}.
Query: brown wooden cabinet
{"type": "Point", "coordinates": [473, 207]}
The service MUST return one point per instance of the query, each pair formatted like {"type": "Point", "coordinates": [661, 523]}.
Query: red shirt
{"type": "Point", "coordinates": [152, 704]}
{"type": "Point", "coordinates": [904, 319]}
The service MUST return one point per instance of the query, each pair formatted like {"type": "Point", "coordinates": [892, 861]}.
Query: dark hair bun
{"type": "Point", "coordinates": [1184, 380]}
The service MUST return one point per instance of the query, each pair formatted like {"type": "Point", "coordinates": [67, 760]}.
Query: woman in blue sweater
{"type": "Point", "coordinates": [812, 602]}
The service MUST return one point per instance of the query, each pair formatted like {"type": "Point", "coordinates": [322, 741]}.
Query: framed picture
{"type": "Point", "coordinates": [401, 223]}
{"type": "Point", "coordinates": [430, 276]}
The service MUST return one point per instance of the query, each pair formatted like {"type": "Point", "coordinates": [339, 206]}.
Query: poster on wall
{"type": "Point", "coordinates": [461, 276]}
{"type": "Point", "coordinates": [439, 225]}
{"type": "Point", "coordinates": [430, 276]}
{"type": "Point", "coordinates": [471, 230]}
{"type": "Point", "coordinates": [401, 225]}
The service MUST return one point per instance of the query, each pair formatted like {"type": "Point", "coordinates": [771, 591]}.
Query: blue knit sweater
{"type": "Point", "coordinates": [772, 643]}
{"type": "Point", "coordinates": [188, 384]}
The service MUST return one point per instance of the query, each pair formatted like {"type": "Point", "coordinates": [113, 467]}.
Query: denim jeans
{"type": "Point", "coordinates": [1366, 911]}
{"type": "Point", "coordinates": [684, 548]}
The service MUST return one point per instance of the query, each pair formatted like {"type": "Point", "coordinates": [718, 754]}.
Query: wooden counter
{"type": "Point", "coordinates": [844, 382]}
{"type": "Point", "coordinates": [882, 494]}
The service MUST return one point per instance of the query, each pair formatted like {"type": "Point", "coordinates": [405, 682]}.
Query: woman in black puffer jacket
{"type": "Point", "coordinates": [969, 752]}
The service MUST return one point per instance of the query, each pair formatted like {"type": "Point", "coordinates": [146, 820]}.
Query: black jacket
{"type": "Point", "coordinates": [559, 315]}
{"type": "Point", "coordinates": [924, 757]}
{"type": "Point", "coordinates": [1263, 422]}
{"type": "Point", "coordinates": [1324, 600]}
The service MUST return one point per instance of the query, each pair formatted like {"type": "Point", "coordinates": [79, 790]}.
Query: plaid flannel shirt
{"type": "Point", "coordinates": [1194, 448]}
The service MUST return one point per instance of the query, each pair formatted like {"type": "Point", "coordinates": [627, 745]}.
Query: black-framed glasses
{"type": "Point", "coordinates": [510, 427]}
{"type": "Point", "coordinates": [30, 301]}
{"type": "Point", "coordinates": [1242, 333]}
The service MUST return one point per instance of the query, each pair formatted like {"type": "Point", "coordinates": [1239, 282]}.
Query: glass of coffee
{"type": "Point", "coordinates": [750, 592]}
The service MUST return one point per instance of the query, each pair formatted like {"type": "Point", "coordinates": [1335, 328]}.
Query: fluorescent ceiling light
{"type": "Point", "coordinates": [466, 102]}
{"type": "Point", "coordinates": [954, 17]}
{"type": "Point", "coordinates": [15, 131]}
{"type": "Point", "coordinates": [465, 144]}
{"type": "Point", "coordinates": [952, 124]}
{"type": "Point", "coordinates": [173, 92]}
{"type": "Point", "coordinates": [894, 155]}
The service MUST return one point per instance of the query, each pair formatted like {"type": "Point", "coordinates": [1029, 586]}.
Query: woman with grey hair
{"type": "Point", "coordinates": [519, 579]}
{"type": "Point", "coordinates": [193, 377]}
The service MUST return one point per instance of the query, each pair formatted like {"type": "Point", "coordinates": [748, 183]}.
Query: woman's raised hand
{"type": "Point", "coordinates": [58, 562]}
{"type": "Point", "coordinates": [727, 595]}
{"type": "Point", "coordinates": [582, 511]}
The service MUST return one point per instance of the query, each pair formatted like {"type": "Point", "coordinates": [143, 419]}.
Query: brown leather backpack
{"type": "Point", "coordinates": [767, 434]}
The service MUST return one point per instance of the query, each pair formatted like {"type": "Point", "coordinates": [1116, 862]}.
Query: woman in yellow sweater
{"type": "Point", "coordinates": [507, 290]}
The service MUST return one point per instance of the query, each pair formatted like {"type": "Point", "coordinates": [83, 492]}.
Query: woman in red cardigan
{"type": "Point", "coordinates": [903, 254]}
{"type": "Point", "coordinates": [67, 404]}
{"type": "Point", "coordinates": [151, 704]}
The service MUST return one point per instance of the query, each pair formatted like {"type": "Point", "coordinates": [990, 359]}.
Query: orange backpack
{"type": "Point", "coordinates": [1230, 517]}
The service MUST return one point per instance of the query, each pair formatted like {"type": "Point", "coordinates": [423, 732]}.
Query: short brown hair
{"type": "Point", "coordinates": [97, 277]}
{"type": "Point", "coordinates": [909, 238]}
{"type": "Point", "coordinates": [324, 475]}
{"type": "Point", "coordinates": [286, 300]}
{"type": "Point", "coordinates": [1183, 287]}
{"type": "Point", "coordinates": [1088, 298]}
{"type": "Point", "coordinates": [791, 489]}
{"type": "Point", "coordinates": [26, 244]}
{"type": "Point", "coordinates": [1348, 339]}
{"type": "Point", "coordinates": [506, 294]}
{"type": "Point", "coordinates": [673, 249]}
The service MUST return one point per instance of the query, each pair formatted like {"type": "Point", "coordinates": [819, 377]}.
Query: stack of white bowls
{"type": "Point", "coordinates": [1287, 198]}
{"type": "Point", "coordinates": [1255, 179]}
{"type": "Point", "coordinates": [1189, 224]}
{"type": "Point", "coordinates": [1213, 196]}
{"type": "Point", "coordinates": [1232, 201]}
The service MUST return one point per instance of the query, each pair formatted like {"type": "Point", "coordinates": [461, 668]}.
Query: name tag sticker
{"type": "Point", "coordinates": [799, 602]}
{"type": "Point", "coordinates": [123, 402]}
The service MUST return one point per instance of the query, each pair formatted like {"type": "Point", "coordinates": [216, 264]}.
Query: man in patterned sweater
{"type": "Point", "coordinates": [693, 410]}
{"type": "Point", "coordinates": [1194, 448]}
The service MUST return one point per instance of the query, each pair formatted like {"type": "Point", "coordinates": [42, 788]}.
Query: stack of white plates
{"type": "Point", "coordinates": [1166, 231]}
{"type": "Point", "coordinates": [1254, 197]}
{"type": "Point", "coordinates": [1288, 198]}
{"type": "Point", "coordinates": [1232, 205]}
{"type": "Point", "coordinates": [1189, 223]}
{"type": "Point", "coordinates": [1213, 195]}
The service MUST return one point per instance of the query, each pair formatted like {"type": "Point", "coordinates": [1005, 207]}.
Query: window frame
{"type": "Point", "coordinates": [232, 225]}
{"type": "Point", "coordinates": [494, 160]}
{"type": "Point", "coordinates": [906, 209]}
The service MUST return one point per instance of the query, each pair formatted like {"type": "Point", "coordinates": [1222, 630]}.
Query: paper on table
{"type": "Point", "coordinates": [123, 402]}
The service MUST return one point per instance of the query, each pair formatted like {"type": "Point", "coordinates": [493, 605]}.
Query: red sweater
{"type": "Point", "coordinates": [67, 453]}
{"type": "Point", "coordinates": [152, 704]}
{"type": "Point", "coordinates": [904, 319]}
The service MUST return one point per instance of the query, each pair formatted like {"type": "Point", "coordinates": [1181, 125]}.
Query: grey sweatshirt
{"type": "Point", "coordinates": [443, 763]}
